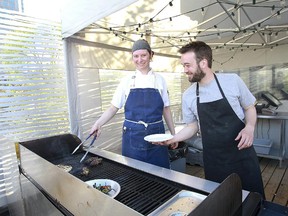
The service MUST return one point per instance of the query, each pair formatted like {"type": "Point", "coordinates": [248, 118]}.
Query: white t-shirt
{"type": "Point", "coordinates": [235, 90]}
{"type": "Point", "coordinates": [138, 80]}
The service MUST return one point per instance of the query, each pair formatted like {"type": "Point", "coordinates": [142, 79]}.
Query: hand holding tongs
{"type": "Point", "coordinates": [94, 138]}
{"type": "Point", "coordinates": [81, 144]}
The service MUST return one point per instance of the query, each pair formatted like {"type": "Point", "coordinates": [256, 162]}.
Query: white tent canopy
{"type": "Point", "coordinates": [77, 15]}
{"type": "Point", "coordinates": [234, 29]}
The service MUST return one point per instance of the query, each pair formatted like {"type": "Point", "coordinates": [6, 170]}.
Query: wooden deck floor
{"type": "Point", "coordinates": [275, 179]}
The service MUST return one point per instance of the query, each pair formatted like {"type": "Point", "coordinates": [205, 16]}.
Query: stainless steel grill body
{"type": "Point", "coordinates": [144, 187]}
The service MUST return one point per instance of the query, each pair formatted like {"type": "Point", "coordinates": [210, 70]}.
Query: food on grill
{"type": "Point", "coordinates": [93, 161]}
{"type": "Point", "coordinates": [105, 188]}
{"type": "Point", "coordinates": [66, 168]}
{"type": "Point", "coordinates": [85, 171]}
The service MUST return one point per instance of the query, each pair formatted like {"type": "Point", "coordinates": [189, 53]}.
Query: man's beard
{"type": "Point", "coordinates": [198, 76]}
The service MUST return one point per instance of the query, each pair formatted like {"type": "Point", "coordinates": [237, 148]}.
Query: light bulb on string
{"type": "Point", "coordinates": [202, 11]}
{"type": "Point", "coordinates": [170, 4]}
{"type": "Point", "coordinates": [276, 35]}
{"type": "Point", "coordinates": [278, 15]}
{"type": "Point", "coordinates": [218, 35]}
{"type": "Point", "coordinates": [272, 9]}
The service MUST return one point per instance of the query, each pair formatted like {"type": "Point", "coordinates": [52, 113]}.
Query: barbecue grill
{"type": "Point", "coordinates": [145, 189]}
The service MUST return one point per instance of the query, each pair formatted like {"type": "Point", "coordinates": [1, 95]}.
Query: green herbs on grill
{"type": "Point", "coordinates": [105, 188]}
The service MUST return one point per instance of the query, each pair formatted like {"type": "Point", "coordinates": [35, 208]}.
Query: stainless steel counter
{"type": "Point", "coordinates": [275, 127]}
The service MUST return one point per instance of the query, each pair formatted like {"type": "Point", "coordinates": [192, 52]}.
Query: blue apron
{"type": "Point", "coordinates": [143, 116]}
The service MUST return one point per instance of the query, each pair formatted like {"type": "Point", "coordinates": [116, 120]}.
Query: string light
{"type": "Point", "coordinates": [205, 32]}
{"type": "Point", "coordinates": [218, 35]}
{"type": "Point", "coordinates": [272, 9]}
{"type": "Point", "coordinates": [278, 15]}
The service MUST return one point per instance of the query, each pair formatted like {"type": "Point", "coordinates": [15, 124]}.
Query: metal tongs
{"type": "Point", "coordinates": [81, 144]}
{"type": "Point", "coordinates": [89, 147]}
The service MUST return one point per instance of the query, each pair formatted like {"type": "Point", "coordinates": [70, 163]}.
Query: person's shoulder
{"type": "Point", "coordinates": [190, 90]}
{"type": "Point", "coordinates": [125, 80]}
{"type": "Point", "coordinates": [158, 75]}
{"type": "Point", "coordinates": [227, 76]}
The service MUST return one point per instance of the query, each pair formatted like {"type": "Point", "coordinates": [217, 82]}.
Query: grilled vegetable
{"type": "Point", "coordinates": [105, 188]}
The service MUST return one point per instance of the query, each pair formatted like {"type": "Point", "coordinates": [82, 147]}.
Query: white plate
{"type": "Point", "coordinates": [158, 137]}
{"type": "Point", "coordinates": [114, 185]}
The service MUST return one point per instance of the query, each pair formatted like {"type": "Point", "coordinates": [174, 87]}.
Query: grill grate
{"type": "Point", "coordinates": [139, 190]}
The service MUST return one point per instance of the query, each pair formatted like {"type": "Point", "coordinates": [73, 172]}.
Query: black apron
{"type": "Point", "coordinates": [219, 127]}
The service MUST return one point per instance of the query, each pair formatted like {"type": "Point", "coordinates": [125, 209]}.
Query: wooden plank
{"type": "Point", "coordinates": [263, 163]}
{"type": "Point", "coordinates": [268, 172]}
{"type": "Point", "coordinates": [275, 179]}
{"type": "Point", "coordinates": [273, 183]}
{"type": "Point", "coordinates": [193, 170]}
{"type": "Point", "coordinates": [282, 192]}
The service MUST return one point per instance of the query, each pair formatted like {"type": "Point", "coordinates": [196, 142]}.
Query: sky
{"type": "Point", "coordinates": [44, 9]}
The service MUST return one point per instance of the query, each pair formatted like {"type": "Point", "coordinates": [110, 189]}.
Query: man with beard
{"type": "Point", "coordinates": [221, 107]}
